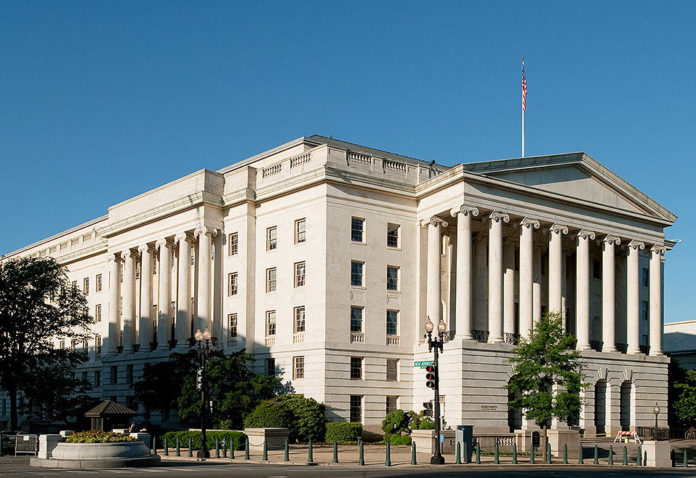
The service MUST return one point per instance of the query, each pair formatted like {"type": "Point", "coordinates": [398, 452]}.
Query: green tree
{"type": "Point", "coordinates": [395, 424]}
{"type": "Point", "coordinates": [232, 387]}
{"type": "Point", "coordinates": [38, 304]}
{"type": "Point", "coordinates": [547, 374]}
{"type": "Point", "coordinates": [682, 396]}
{"type": "Point", "coordinates": [303, 417]}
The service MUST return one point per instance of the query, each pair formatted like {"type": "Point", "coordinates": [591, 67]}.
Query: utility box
{"type": "Point", "coordinates": [465, 438]}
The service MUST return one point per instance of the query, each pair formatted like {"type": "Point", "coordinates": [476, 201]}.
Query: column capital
{"type": "Point", "coordinates": [145, 248]}
{"type": "Point", "coordinates": [636, 245]}
{"type": "Point", "coordinates": [129, 253]}
{"type": "Point", "coordinates": [465, 210]}
{"type": "Point", "coordinates": [499, 216]}
{"type": "Point", "coordinates": [164, 243]}
{"type": "Point", "coordinates": [658, 249]}
{"type": "Point", "coordinates": [585, 234]}
{"type": "Point", "coordinates": [205, 230]}
{"type": "Point", "coordinates": [529, 223]}
{"type": "Point", "coordinates": [434, 221]}
{"type": "Point", "coordinates": [612, 240]}
{"type": "Point", "coordinates": [182, 236]}
{"type": "Point", "coordinates": [558, 229]}
{"type": "Point", "coordinates": [113, 257]}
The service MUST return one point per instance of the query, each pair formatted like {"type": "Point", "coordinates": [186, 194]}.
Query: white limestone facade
{"type": "Point", "coordinates": [323, 259]}
{"type": "Point", "coordinates": [680, 343]}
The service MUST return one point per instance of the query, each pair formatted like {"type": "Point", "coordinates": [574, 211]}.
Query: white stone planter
{"type": "Point", "coordinates": [274, 437]}
{"type": "Point", "coordinates": [99, 455]}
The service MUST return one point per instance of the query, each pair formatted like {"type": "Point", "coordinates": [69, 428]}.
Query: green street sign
{"type": "Point", "coordinates": [422, 363]}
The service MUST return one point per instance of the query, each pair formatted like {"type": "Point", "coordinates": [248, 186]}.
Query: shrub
{"type": "Point", "coordinates": [343, 432]}
{"type": "Point", "coordinates": [303, 417]}
{"type": "Point", "coordinates": [399, 439]}
{"type": "Point", "coordinates": [419, 421]}
{"type": "Point", "coordinates": [237, 438]}
{"type": "Point", "coordinates": [394, 425]}
{"type": "Point", "coordinates": [99, 436]}
{"type": "Point", "coordinates": [426, 423]}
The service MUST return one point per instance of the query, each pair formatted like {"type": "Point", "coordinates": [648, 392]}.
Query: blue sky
{"type": "Point", "coordinates": [105, 100]}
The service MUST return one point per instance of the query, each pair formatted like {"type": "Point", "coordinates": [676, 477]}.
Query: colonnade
{"type": "Point", "coordinates": [501, 321]}
{"type": "Point", "coordinates": [131, 329]}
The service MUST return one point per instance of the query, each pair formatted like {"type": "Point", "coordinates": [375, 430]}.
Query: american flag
{"type": "Point", "coordinates": [524, 87]}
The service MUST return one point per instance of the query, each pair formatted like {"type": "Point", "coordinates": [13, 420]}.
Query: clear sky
{"type": "Point", "coordinates": [104, 100]}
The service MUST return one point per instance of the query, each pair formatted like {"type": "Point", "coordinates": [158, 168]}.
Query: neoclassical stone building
{"type": "Point", "coordinates": [323, 259]}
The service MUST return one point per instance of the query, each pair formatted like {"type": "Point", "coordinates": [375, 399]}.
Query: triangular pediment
{"type": "Point", "coordinates": [576, 176]}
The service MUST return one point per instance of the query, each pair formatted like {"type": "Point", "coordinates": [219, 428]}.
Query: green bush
{"type": "Point", "coordinates": [343, 432]}
{"type": "Point", "coordinates": [419, 421]}
{"type": "Point", "coordinates": [98, 436]}
{"type": "Point", "coordinates": [394, 425]}
{"type": "Point", "coordinates": [303, 417]}
{"type": "Point", "coordinates": [426, 423]}
{"type": "Point", "coordinates": [399, 439]}
{"type": "Point", "coordinates": [237, 438]}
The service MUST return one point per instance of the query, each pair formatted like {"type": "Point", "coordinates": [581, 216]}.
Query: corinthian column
{"type": "Point", "coordinates": [508, 288]}
{"type": "Point", "coordinates": [527, 227]}
{"type": "Point", "coordinates": [555, 267]}
{"type": "Point", "coordinates": [463, 280]}
{"type": "Point", "coordinates": [495, 276]}
{"type": "Point", "coordinates": [183, 302]}
{"type": "Point", "coordinates": [145, 324]}
{"type": "Point", "coordinates": [633, 297]}
{"type": "Point", "coordinates": [608, 293]}
{"type": "Point", "coordinates": [656, 299]}
{"type": "Point", "coordinates": [204, 318]}
{"type": "Point", "coordinates": [434, 305]}
{"type": "Point", "coordinates": [128, 300]}
{"type": "Point", "coordinates": [536, 286]}
{"type": "Point", "coordinates": [582, 289]}
{"type": "Point", "coordinates": [164, 323]}
{"type": "Point", "coordinates": [111, 341]}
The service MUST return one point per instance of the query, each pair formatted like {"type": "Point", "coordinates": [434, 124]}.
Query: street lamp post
{"type": "Point", "coordinates": [203, 340]}
{"type": "Point", "coordinates": [656, 411]}
{"type": "Point", "coordinates": [435, 346]}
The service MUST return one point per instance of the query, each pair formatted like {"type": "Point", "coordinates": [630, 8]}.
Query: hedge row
{"type": "Point", "coordinates": [343, 432]}
{"type": "Point", "coordinates": [238, 438]}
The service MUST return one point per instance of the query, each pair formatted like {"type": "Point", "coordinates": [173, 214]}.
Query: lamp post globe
{"type": "Point", "coordinates": [656, 411]}
{"type": "Point", "coordinates": [429, 326]}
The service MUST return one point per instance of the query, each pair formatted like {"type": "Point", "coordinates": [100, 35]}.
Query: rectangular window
{"type": "Point", "coordinates": [392, 278]}
{"type": "Point", "coordinates": [97, 313]}
{"type": "Point", "coordinates": [271, 279]}
{"type": "Point", "coordinates": [233, 244]}
{"type": "Point", "coordinates": [357, 229]}
{"type": "Point", "coordinates": [97, 378]}
{"type": "Point", "coordinates": [114, 374]}
{"type": "Point", "coordinates": [98, 343]}
{"type": "Point", "coordinates": [357, 278]}
{"type": "Point", "coordinates": [300, 231]}
{"type": "Point", "coordinates": [270, 367]}
{"type": "Point", "coordinates": [392, 370]}
{"type": "Point", "coordinates": [232, 324]}
{"type": "Point", "coordinates": [544, 264]}
{"type": "Point", "coordinates": [356, 319]}
{"type": "Point", "coordinates": [391, 404]}
{"type": "Point", "coordinates": [232, 283]}
{"type": "Point", "coordinates": [356, 408]}
{"type": "Point", "coordinates": [98, 283]}
{"type": "Point", "coordinates": [393, 235]}
{"type": "Point", "coordinates": [270, 322]}
{"type": "Point", "coordinates": [644, 309]}
{"type": "Point", "coordinates": [356, 368]}
{"type": "Point", "coordinates": [596, 270]}
{"type": "Point", "coordinates": [645, 276]}
{"type": "Point", "coordinates": [129, 374]}
{"type": "Point", "coordinates": [271, 238]}
{"type": "Point", "coordinates": [299, 313]}
{"type": "Point", "coordinates": [297, 367]}
{"type": "Point", "coordinates": [392, 322]}
{"type": "Point", "coordinates": [300, 276]}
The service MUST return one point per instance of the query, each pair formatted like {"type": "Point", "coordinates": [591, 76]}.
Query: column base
{"type": "Point", "coordinates": [583, 347]}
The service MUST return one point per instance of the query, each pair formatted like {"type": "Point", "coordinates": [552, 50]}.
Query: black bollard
{"type": "Point", "coordinates": [217, 448]}
{"type": "Point", "coordinates": [387, 454]}
{"type": "Point", "coordinates": [232, 447]}
{"type": "Point", "coordinates": [458, 454]}
{"type": "Point", "coordinates": [531, 455]}
{"type": "Point", "coordinates": [611, 455]}
{"type": "Point", "coordinates": [287, 451]}
{"type": "Point", "coordinates": [413, 453]}
{"type": "Point", "coordinates": [361, 454]}
{"type": "Point", "coordinates": [264, 457]}
{"type": "Point", "coordinates": [565, 454]}
{"type": "Point", "coordinates": [496, 454]}
{"type": "Point", "coordinates": [625, 456]}
{"type": "Point", "coordinates": [178, 448]}
{"type": "Point", "coordinates": [166, 447]}
{"type": "Point", "coordinates": [310, 452]}
{"type": "Point", "coordinates": [514, 453]}
{"type": "Point", "coordinates": [246, 448]}
{"type": "Point", "coordinates": [596, 455]}
{"type": "Point", "coordinates": [581, 459]}
{"type": "Point", "coordinates": [335, 453]}
{"type": "Point", "coordinates": [190, 448]}
{"type": "Point", "coordinates": [478, 453]}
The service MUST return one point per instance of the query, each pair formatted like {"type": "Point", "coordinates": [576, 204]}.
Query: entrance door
{"type": "Point", "coordinates": [601, 407]}
{"type": "Point", "coordinates": [626, 406]}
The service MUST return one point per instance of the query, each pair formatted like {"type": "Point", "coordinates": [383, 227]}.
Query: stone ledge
{"type": "Point", "coordinates": [97, 463]}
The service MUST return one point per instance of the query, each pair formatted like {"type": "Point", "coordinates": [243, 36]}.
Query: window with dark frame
{"type": "Point", "coordinates": [271, 238]}
{"type": "Point", "coordinates": [391, 403]}
{"type": "Point", "coordinates": [356, 368]}
{"type": "Point", "coordinates": [393, 235]}
{"type": "Point", "coordinates": [392, 322]}
{"type": "Point", "coordinates": [645, 276]}
{"type": "Point", "coordinates": [98, 283]}
{"type": "Point", "coordinates": [357, 277]}
{"type": "Point", "coordinates": [392, 278]}
{"type": "Point", "coordinates": [300, 274]}
{"type": "Point", "coordinates": [356, 319]}
{"type": "Point", "coordinates": [270, 322]}
{"type": "Point", "coordinates": [270, 367]}
{"type": "Point", "coordinates": [300, 231]}
{"type": "Point", "coordinates": [232, 324]}
{"type": "Point", "coordinates": [232, 283]}
{"type": "Point", "coordinates": [298, 367]}
{"type": "Point", "coordinates": [233, 244]}
{"type": "Point", "coordinates": [299, 321]}
{"type": "Point", "coordinates": [357, 229]}
{"type": "Point", "coordinates": [271, 279]}
{"type": "Point", "coordinates": [392, 370]}
{"type": "Point", "coordinates": [356, 408]}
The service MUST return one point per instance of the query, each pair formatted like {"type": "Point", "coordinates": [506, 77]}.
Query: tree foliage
{"type": "Point", "coordinates": [547, 373]}
{"type": "Point", "coordinates": [38, 304]}
{"type": "Point", "coordinates": [682, 393]}
{"type": "Point", "coordinates": [232, 387]}
{"type": "Point", "coordinates": [303, 417]}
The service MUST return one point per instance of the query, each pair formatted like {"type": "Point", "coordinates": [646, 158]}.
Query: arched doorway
{"type": "Point", "coordinates": [625, 417]}
{"type": "Point", "coordinates": [600, 417]}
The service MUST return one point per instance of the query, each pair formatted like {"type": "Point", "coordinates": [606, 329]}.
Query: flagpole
{"type": "Point", "coordinates": [524, 102]}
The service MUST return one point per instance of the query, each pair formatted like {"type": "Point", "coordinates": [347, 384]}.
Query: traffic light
{"type": "Point", "coordinates": [428, 409]}
{"type": "Point", "coordinates": [431, 376]}
{"type": "Point", "coordinates": [199, 379]}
